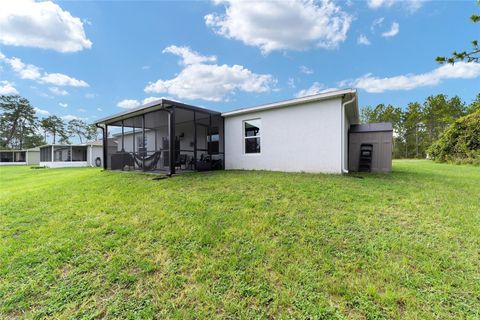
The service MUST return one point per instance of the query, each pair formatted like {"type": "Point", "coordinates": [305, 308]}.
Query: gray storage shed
{"type": "Point", "coordinates": [375, 139]}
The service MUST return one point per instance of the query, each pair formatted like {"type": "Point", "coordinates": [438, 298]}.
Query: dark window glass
{"type": "Point", "coordinates": [252, 145]}
{"type": "Point", "coordinates": [252, 128]}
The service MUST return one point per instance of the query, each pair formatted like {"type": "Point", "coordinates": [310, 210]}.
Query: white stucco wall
{"type": "Point", "coordinates": [298, 138]}
{"type": "Point", "coordinates": [94, 152]}
{"type": "Point", "coordinates": [33, 157]}
{"type": "Point", "coordinates": [63, 164]}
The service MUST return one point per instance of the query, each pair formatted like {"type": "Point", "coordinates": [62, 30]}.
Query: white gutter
{"type": "Point", "coordinates": [344, 170]}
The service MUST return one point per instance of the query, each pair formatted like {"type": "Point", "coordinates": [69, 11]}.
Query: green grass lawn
{"type": "Point", "coordinates": [82, 243]}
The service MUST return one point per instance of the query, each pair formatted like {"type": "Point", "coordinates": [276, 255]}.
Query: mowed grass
{"type": "Point", "coordinates": [82, 243]}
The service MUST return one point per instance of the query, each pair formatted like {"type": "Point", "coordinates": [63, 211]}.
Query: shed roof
{"type": "Point", "coordinates": [371, 127]}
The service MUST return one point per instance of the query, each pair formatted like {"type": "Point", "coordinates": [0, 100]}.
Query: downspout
{"type": "Point", "coordinates": [104, 147]}
{"type": "Point", "coordinates": [344, 170]}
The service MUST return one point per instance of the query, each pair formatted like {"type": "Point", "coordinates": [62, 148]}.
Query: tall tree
{"type": "Point", "coordinates": [55, 126]}
{"type": "Point", "coordinates": [439, 112]}
{"type": "Point", "coordinates": [32, 141]}
{"type": "Point", "coordinates": [475, 105]}
{"type": "Point", "coordinates": [414, 129]}
{"type": "Point", "coordinates": [17, 120]}
{"type": "Point", "coordinates": [78, 128]}
{"type": "Point", "coordinates": [472, 55]}
{"type": "Point", "coordinates": [92, 132]}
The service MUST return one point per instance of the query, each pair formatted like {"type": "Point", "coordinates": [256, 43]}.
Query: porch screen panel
{"type": "Point", "coordinates": [46, 154]}
{"type": "Point", "coordinates": [79, 153]}
{"type": "Point", "coordinates": [6, 156]}
{"type": "Point", "coordinates": [20, 156]}
{"type": "Point", "coordinates": [62, 153]}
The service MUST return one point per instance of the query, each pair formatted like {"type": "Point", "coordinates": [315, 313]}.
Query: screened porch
{"type": "Point", "coordinates": [164, 137]}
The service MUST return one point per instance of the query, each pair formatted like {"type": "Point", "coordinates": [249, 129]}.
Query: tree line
{"type": "Point", "coordinates": [20, 128]}
{"type": "Point", "coordinates": [419, 125]}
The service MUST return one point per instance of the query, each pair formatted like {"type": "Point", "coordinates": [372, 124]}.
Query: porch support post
{"type": "Point", "coordinates": [223, 141]}
{"type": "Point", "coordinates": [53, 153]}
{"type": "Point", "coordinates": [105, 146]}
{"type": "Point", "coordinates": [209, 136]}
{"type": "Point", "coordinates": [123, 136]}
{"type": "Point", "coordinates": [71, 153]}
{"type": "Point", "coordinates": [133, 140]}
{"type": "Point", "coordinates": [195, 140]}
{"type": "Point", "coordinates": [144, 148]}
{"type": "Point", "coordinates": [171, 137]}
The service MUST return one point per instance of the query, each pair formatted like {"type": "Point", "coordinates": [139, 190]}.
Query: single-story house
{"type": "Point", "coordinates": [309, 134]}
{"type": "Point", "coordinates": [72, 155]}
{"type": "Point", "coordinates": [20, 157]}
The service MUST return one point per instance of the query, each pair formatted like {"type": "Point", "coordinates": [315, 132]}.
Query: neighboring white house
{"type": "Point", "coordinates": [306, 134]}
{"type": "Point", "coordinates": [20, 157]}
{"type": "Point", "coordinates": [72, 155]}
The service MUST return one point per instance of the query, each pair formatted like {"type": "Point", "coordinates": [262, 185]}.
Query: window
{"type": "Point", "coordinates": [251, 134]}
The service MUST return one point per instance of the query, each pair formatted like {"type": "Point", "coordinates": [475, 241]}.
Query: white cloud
{"type": "Point", "coordinates": [145, 67]}
{"type": "Point", "coordinates": [460, 70]}
{"type": "Point", "coordinates": [211, 82]}
{"type": "Point", "coordinates": [394, 30]}
{"type": "Point", "coordinates": [306, 70]}
{"type": "Point", "coordinates": [90, 95]}
{"type": "Point", "coordinates": [7, 88]}
{"type": "Point", "coordinates": [42, 112]}
{"type": "Point", "coordinates": [188, 56]}
{"type": "Point", "coordinates": [376, 23]}
{"type": "Point", "coordinates": [81, 110]}
{"type": "Point", "coordinates": [375, 4]}
{"type": "Point", "coordinates": [128, 104]}
{"type": "Point", "coordinates": [69, 117]}
{"type": "Point", "coordinates": [42, 25]}
{"type": "Point", "coordinates": [315, 88]}
{"type": "Point", "coordinates": [57, 91]}
{"type": "Point", "coordinates": [362, 39]}
{"type": "Point", "coordinates": [60, 79]}
{"type": "Point", "coordinates": [24, 71]}
{"type": "Point", "coordinates": [291, 83]}
{"type": "Point", "coordinates": [279, 25]}
{"type": "Point", "coordinates": [63, 105]}
{"type": "Point", "coordinates": [99, 109]}
{"type": "Point", "coordinates": [150, 99]}
{"type": "Point", "coordinates": [133, 103]}
{"type": "Point", "coordinates": [410, 5]}
{"type": "Point", "coordinates": [31, 72]}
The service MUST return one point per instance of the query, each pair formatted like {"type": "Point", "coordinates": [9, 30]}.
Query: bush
{"type": "Point", "coordinates": [460, 142]}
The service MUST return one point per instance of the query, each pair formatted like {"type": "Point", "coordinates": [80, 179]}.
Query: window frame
{"type": "Point", "coordinates": [258, 136]}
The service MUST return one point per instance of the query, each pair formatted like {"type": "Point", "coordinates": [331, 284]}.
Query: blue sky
{"type": "Point", "coordinates": [91, 59]}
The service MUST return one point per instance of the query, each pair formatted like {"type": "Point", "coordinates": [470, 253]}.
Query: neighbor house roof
{"type": "Point", "coordinates": [21, 150]}
{"type": "Point", "coordinates": [371, 127]}
{"type": "Point", "coordinates": [296, 101]}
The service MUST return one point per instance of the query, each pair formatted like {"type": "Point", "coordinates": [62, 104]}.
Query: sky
{"type": "Point", "coordinates": [88, 59]}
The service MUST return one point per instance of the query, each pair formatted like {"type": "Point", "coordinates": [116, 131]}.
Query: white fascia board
{"type": "Point", "coordinates": [292, 102]}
